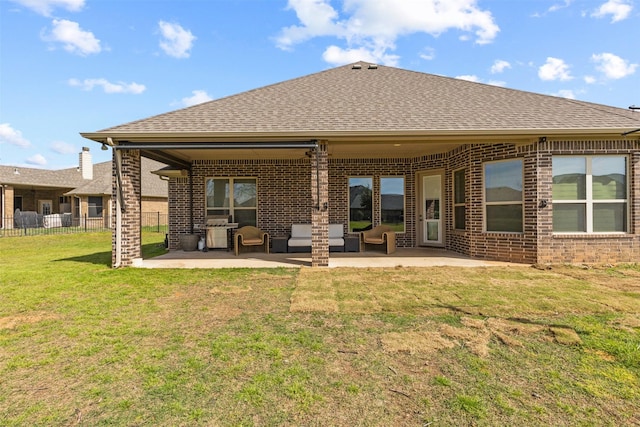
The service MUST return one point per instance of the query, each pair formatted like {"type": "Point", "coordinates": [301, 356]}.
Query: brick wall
{"type": "Point", "coordinates": [581, 248]}
{"type": "Point", "coordinates": [319, 183]}
{"type": "Point", "coordinates": [285, 197]}
{"type": "Point", "coordinates": [340, 170]}
{"type": "Point", "coordinates": [155, 204]}
{"type": "Point", "coordinates": [131, 239]}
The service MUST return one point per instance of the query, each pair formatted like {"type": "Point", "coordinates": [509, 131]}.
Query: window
{"type": "Point", "coordinates": [459, 199]}
{"type": "Point", "coordinates": [17, 202]}
{"type": "Point", "coordinates": [45, 207]}
{"type": "Point", "coordinates": [95, 206]}
{"type": "Point", "coordinates": [503, 196]}
{"type": "Point", "coordinates": [590, 194]}
{"type": "Point", "coordinates": [392, 203]}
{"type": "Point", "coordinates": [236, 197]}
{"type": "Point", "coordinates": [360, 203]}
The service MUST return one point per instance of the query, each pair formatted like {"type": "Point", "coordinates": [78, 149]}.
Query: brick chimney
{"type": "Point", "coordinates": [86, 166]}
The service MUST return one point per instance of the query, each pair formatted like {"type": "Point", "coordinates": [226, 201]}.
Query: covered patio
{"type": "Point", "coordinates": [403, 257]}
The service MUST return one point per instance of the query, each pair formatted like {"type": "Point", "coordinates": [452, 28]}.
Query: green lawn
{"type": "Point", "coordinates": [81, 343]}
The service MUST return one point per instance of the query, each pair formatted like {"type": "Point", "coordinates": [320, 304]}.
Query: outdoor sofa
{"type": "Point", "coordinates": [300, 238]}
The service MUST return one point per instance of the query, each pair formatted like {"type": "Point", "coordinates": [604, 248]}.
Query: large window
{"type": "Point", "coordinates": [95, 206]}
{"type": "Point", "coordinates": [392, 202]}
{"type": "Point", "coordinates": [503, 196]}
{"type": "Point", "coordinates": [590, 194]}
{"type": "Point", "coordinates": [360, 203]}
{"type": "Point", "coordinates": [459, 200]}
{"type": "Point", "coordinates": [236, 197]}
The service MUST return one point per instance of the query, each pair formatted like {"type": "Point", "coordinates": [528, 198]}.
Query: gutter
{"type": "Point", "coordinates": [124, 145]}
{"type": "Point", "coordinates": [263, 138]}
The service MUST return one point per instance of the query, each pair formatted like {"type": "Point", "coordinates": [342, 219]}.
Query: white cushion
{"type": "Point", "coordinates": [301, 230]}
{"type": "Point", "coordinates": [301, 235]}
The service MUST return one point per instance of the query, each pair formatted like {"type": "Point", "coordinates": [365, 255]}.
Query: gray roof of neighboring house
{"type": "Point", "coordinates": [71, 178]}
{"type": "Point", "coordinates": [383, 99]}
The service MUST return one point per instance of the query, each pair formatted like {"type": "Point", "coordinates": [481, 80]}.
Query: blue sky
{"type": "Point", "coordinates": [70, 66]}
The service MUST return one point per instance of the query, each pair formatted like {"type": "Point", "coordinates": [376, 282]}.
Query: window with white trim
{"type": "Point", "coordinates": [590, 194]}
{"type": "Point", "coordinates": [94, 206]}
{"type": "Point", "coordinates": [503, 196]}
{"type": "Point", "coordinates": [236, 197]}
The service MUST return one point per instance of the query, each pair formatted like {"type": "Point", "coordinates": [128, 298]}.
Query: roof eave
{"type": "Point", "coordinates": [426, 135]}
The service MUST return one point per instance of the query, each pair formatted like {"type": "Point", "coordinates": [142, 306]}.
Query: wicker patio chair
{"type": "Point", "coordinates": [381, 235]}
{"type": "Point", "coordinates": [251, 236]}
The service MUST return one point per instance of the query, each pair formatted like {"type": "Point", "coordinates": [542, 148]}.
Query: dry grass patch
{"type": "Point", "coordinates": [339, 347]}
{"type": "Point", "coordinates": [314, 292]}
{"type": "Point", "coordinates": [415, 342]}
{"type": "Point", "coordinates": [12, 322]}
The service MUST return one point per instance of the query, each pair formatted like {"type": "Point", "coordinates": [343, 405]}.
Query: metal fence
{"type": "Point", "coordinates": [32, 224]}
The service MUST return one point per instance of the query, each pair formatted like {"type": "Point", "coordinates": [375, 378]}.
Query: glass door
{"type": "Point", "coordinates": [431, 209]}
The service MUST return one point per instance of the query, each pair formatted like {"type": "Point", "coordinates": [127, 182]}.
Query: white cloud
{"type": "Point", "coordinates": [469, 78]}
{"type": "Point", "coordinates": [475, 79]}
{"type": "Point", "coordinates": [73, 38]}
{"type": "Point", "coordinates": [9, 135]}
{"type": "Point", "coordinates": [589, 80]}
{"type": "Point", "coordinates": [612, 66]}
{"type": "Point", "coordinates": [176, 41]}
{"type": "Point", "coordinates": [618, 9]}
{"type": "Point", "coordinates": [108, 87]}
{"type": "Point", "coordinates": [557, 7]}
{"type": "Point", "coordinates": [428, 54]}
{"type": "Point", "coordinates": [45, 7]}
{"type": "Point", "coordinates": [199, 96]}
{"type": "Point", "coordinates": [62, 147]}
{"type": "Point", "coordinates": [566, 93]}
{"type": "Point", "coordinates": [372, 27]}
{"type": "Point", "coordinates": [499, 66]}
{"type": "Point", "coordinates": [554, 69]}
{"type": "Point", "coordinates": [37, 159]}
{"type": "Point", "coordinates": [337, 56]}
{"type": "Point", "coordinates": [497, 83]}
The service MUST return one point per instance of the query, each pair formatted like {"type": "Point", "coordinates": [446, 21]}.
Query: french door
{"type": "Point", "coordinates": [430, 216]}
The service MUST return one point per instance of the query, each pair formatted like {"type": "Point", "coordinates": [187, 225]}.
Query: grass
{"type": "Point", "coordinates": [81, 343]}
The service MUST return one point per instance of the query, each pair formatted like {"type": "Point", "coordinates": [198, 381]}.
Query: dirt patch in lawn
{"type": "Point", "coordinates": [475, 335]}
{"type": "Point", "coordinates": [12, 322]}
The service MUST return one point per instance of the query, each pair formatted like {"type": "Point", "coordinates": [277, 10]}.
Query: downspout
{"type": "Point", "coordinates": [191, 199]}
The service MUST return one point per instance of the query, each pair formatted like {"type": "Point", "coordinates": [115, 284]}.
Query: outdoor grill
{"type": "Point", "coordinates": [218, 230]}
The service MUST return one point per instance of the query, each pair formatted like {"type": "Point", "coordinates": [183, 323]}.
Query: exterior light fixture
{"type": "Point", "coordinates": [104, 147]}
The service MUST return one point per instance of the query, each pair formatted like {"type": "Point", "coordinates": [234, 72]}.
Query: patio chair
{"type": "Point", "coordinates": [250, 236]}
{"type": "Point", "coordinates": [381, 235]}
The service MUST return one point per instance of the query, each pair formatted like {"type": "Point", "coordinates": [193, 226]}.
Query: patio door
{"type": "Point", "coordinates": [430, 215]}
{"type": "Point", "coordinates": [45, 207]}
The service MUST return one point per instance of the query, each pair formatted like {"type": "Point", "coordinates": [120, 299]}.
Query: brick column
{"type": "Point", "coordinates": [8, 208]}
{"type": "Point", "coordinates": [130, 240]}
{"type": "Point", "coordinates": [320, 210]}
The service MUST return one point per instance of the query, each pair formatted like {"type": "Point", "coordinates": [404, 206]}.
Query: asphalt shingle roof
{"type": "Point", "coordinates": [71, 178]}
{"type": "Point", "coordinates": [383, 99]}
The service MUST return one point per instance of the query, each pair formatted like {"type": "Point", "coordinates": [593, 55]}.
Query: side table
{"type": "Point", "coordinates": [352, 244]}
{"type": "Point", "coordinates": [279, 244]}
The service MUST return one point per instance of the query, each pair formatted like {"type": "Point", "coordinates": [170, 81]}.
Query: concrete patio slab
{"type": "Point", "coordinates": [406, 257]}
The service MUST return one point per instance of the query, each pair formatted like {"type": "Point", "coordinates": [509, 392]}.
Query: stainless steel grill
{"type": "Point", "coordinates": [218, 231]}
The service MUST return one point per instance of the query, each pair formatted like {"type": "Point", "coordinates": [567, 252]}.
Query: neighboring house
{"type": "Point", "coordinates": [83, 193]}
{"type": "Point", "coordinates": [485, 171]}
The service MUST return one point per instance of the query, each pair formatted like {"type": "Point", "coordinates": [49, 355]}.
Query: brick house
{"type": "Point", "coordinates": [485, 171]}
{"type": "Point", "coordinates": [83, 192]}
